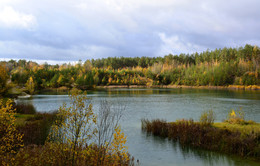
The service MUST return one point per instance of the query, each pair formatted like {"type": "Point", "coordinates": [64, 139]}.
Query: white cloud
{"type": "Point", "coordinates": [46, 53]}
{"type": "Point", "coordinates": [11, 18]}
{"type": "Point", "coordinates": [78, 29]}
{"type": "Point", "coordinates": [173, 44]}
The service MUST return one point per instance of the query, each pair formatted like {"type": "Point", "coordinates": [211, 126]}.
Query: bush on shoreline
{"type": "Point", "coordinates": [59, 154]}
{"type": "Point", "coordinates": [61, 138]}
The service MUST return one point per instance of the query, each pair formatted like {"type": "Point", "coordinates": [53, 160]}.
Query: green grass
{"type": "Point", "coordinates": [248, 128]}
{"type": "Point", "coordinates": [15, 91]}
{"type": "Point", "coordinates": [21, 118]}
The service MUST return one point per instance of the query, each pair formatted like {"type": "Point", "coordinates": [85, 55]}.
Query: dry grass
{"type": "Point", "coordinates": [249, 128]}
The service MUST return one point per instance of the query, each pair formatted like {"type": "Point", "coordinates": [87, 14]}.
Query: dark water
{"type": "Point", "coordinates": [168, 104]}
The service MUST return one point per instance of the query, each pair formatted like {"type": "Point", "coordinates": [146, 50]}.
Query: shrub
{"type": "Point", "coordinates": [236, 117]}
{"type": "Point", "coordinates": [10, 139]}
{"type": "Point", "coordinates": [207, 117]}
{"type": "Point", "coordinates": [59, 154]}
{"type": "Point", "coordinates": [76, 128]}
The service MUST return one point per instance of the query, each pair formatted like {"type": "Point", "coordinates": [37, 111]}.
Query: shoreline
{"type": "Point", "coordinates": [229, 87]}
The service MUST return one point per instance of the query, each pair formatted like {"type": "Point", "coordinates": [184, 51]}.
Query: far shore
{"type": "Point", "coordinates": [16, 91]}
{"type": "Point", "coordinates": [231, 87]}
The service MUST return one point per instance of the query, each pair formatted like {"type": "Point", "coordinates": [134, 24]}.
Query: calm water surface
{"type": "Point", "coordinates": [168, 104]}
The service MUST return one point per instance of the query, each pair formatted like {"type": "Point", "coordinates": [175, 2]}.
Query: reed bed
{"type": "Point", "coordinates": [195, 134]}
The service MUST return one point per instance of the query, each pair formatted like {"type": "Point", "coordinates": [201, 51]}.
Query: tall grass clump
{"type": "Point", "coordinates": [207, 117]}
{"type": "Point", "coordinates": [157, 127]}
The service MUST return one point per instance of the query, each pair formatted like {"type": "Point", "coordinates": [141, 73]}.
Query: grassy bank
{"type": "Point", "coordinates": [241, 140]}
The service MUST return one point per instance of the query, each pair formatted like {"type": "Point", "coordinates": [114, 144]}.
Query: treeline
{"type": "Point", "coordinates": [220, 67]}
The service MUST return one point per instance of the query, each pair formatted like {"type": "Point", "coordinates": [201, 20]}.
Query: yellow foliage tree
{"type": "Point", "coordinates": [75, 126]}
{"type": "Point", "coordinates": [30, 85]}
{"type": "Point", "coordinates": [60, 80]}
{"type": "Point", "coordinates": [118, 147]}
{"type": "Point", "coordinates": [79, 134]}
{"type": "Point", "coordinates": [10, 139]}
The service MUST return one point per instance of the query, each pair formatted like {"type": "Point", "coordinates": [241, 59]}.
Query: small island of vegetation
{"type": "Point", "coordinates": [233, 136]}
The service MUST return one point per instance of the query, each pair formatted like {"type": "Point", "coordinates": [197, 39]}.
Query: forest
{"type": "Point", "coordinates": [219, 67]}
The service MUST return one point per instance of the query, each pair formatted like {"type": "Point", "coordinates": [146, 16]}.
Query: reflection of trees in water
{"type": "Point", "coordinates": [208, 157]}
{"type": "Point", "coordinates": [213, 158]}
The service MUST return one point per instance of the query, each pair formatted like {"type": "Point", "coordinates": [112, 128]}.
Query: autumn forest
{"type": "Point", "coordinates": [220, 67]}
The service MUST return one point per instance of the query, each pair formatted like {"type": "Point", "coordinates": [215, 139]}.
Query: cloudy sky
{"type": "Point", "coordinates": [69, 30]}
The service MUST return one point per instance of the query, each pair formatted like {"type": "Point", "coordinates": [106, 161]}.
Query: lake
{"type": "Point", "coordinates": [168, 104]}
